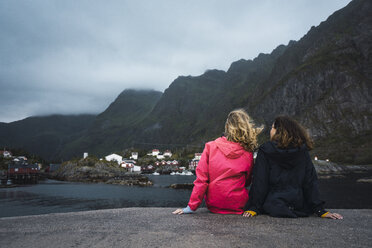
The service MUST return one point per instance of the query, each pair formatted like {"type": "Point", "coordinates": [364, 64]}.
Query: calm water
{"type": "Point", "coordinates": [55, 196]}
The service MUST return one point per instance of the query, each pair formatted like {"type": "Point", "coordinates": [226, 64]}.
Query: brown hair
{"type": "Point", "coordinates": [289, 133]}
{"type": "Point", "coordinates": [240, 128]}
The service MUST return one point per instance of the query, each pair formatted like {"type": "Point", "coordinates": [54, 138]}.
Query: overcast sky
{"type": "Point", "coordinates": [76, 56]}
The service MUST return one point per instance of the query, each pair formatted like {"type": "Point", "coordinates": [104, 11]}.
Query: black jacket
{"type": "Point", "coordinates": [284, 183]}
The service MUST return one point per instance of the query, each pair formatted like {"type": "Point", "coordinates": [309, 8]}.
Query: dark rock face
{"type": "Point", "coordinates": [323, 80]}
{"type": "Point", "coordinates": [329, 88]}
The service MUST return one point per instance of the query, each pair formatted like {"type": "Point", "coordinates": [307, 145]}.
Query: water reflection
{"type": "Point", "coordinates": [55, 196]}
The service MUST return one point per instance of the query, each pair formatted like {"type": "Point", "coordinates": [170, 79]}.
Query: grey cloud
{"type": "Point", "coordinates": [77, 56]}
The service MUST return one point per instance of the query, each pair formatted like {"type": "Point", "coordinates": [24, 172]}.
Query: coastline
{"type": "Point", "coordinates": [92, 170]}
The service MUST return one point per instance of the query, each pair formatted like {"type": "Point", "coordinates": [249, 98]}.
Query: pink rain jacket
{"type": "Point", "coordinates": [222, 174]}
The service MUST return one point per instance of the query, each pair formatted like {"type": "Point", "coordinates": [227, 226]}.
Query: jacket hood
{"type": "Point", "coordinates": [286, 158]}
{"type": "Point", "coordinates": [228, 148]}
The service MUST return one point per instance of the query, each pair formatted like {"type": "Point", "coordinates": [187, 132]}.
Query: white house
{"type": "Point", "coordinates": [6, 154]}
{"type": "Point", "coordinates": [130, 166]}
{"type": "Point", "coordinates": [155, 152]}
{"type": "Point", "coordinates": [136, 168]}
{"type": "Point", "coordinates": [160, 156]}
{"type": "Point", "coordinates": [134, 155]}
{"type": "Point", "coordinates": [197, 156]}
{"type": "Point", "coordinates": [193, 164]}
{"type": "Point", "coordinates": [114, 157]}
{"type": "Point", "coordinates": [167, 153]}
{"type": "Point", "coordinates": [127, 165]}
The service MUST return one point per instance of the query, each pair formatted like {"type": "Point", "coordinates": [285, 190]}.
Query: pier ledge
{"type": "Point", "coordinates": [157, 227]}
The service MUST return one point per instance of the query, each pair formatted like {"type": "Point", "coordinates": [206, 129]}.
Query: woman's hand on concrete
{"type": "Point", "coordinates": [178, 211]}
{"type": "Point", "coordinates": [249, 213]}
{"type": "Point", "coordinates": [246, 214]}
{"type": "Point", "coordinates": [333, 216]}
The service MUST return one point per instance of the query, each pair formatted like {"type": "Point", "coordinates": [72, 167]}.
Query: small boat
{"type": "Point", "coordinates": [156, 174]}
{"type": "Point", "coordinates": [173, 173]}
{"type": "Point", "coordinates": [188, 173]}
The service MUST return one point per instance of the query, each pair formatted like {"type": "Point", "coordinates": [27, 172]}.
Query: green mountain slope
{"type": "Point", "coordinates": [46, 135]}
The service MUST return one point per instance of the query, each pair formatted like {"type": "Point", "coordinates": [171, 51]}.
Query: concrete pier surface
{"type": "Point", "coordinates": [158, 227]}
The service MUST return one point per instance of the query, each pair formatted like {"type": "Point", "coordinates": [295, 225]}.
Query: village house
{"type": "Point", "coordinates": [194, 162]}
{"type": "Point", "coordinates": [114, 157]}
{"type": "Point", "coordinates": [197, 156]}
{"type": "Point", "coordinates": [17, 168]}
{"type": "Point", "coordinates": [6, 154]}
{"type": "Point", "coordinates": [169, 162]}
{"type": "Point", "coordinates": [167, 153]}
{"type": "Point", "coordinates": [175, 163]}
{"type": "Point", "coordinates": [130, 165]}
{"type": "Point", "coordinates": [147, 168]}
{"type": "Point", "coordinates": [20, 160]}
{"type": "Point", "coordinates": [134, 155]}
{"type": "Point", "coordinates": [136, 168]}
{"type": "Point", "coordinates": [155, 152]}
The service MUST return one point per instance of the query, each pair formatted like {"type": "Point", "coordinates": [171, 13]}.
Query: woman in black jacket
{"type": "Point", "coordinates": [285, 183]}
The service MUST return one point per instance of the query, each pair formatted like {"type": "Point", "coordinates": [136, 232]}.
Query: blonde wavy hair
{"type": "Point", "coordinates": [240, 128]}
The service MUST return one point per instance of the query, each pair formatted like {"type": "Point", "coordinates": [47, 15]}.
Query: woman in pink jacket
{"type": "Point", "coordinates": [224, 169]}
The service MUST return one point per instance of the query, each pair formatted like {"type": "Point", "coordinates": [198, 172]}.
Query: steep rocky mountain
{"type": "Point", "coordinates": [44, 135]}
{"type": "Point", "coordinates": [323, 80]}
{"type": "Point", "coordinates": [194, 109]}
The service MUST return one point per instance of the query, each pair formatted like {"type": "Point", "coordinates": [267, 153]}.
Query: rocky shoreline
{"type": "Point", "coordinates": [327, 170]}
{"type": "Point", "coordinates": [324, 169]}
{"type": "Point", "coordinates": [96, 171]}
